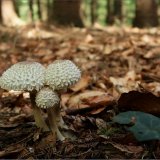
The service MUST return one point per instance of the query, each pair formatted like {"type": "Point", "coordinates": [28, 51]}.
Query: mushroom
{"type": "Point", "coordinates": [26, 76]}
{"type": "Point", "coordinates": [44, 86]}
{"type": "Point", "coordinates": [60, 75]}
{"type": "Point", "coordinates": [47, 99]}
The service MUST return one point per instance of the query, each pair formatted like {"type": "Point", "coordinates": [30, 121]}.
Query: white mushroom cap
{"type": "Point", "coordinates": [47, 98]}
{"type": "Point", "coordinates": [23, 76]}
{"type": "Point", "coordinates": [61, 74]}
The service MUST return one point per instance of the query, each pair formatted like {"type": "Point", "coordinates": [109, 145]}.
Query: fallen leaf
{"type": "Point", "coordinates": [126, 83]}
{"type": "Point", "coordinates": [17, 118]}
{"type": "Point", "coordinates": [137, 101]}
{"type": "Point", "coordinates": [64, 99]}
{"type": "Point", "coordinates": [75, 100]}
{"type": "Point", "coordinates": [127, 148]}
{"type": "Point", "coordinates": [150, 76]}
{"type": "Point", "coordinates": [102, 100]}
{"type": "Point", "coordinates": [48, 140]}
{"type": "Point", "coordinates": [11, 150]}
{"type": "Point", "coordinates": [153, 53]}
{"type": "Point", "coordinates": [97, 110]}
{"type": "Point", "coordinates": [62, 52]}
{"type": "Point", "coordinates": [89, 38]}
{"type": "Point", "coordinates": [93, 103]}
{"type": "Point", "coordinates": [82, 83]}
{"type": "Point", "coordinates": [99, 102]}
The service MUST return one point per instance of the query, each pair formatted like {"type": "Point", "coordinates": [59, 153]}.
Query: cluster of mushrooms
{"type": "Point", "coordinates": [44, 86]}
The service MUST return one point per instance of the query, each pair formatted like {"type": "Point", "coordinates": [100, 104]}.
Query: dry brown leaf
{"type": "Point", "coordinates": [82, 84]}
{"type": "Point", "coordinates": [100, 103]}
{"type": "Point", "coordinates": [43, 52]}
{"type": "Point", "coordinates": [137, 101]}
{"type": "Point", "coordinates": [62, 52]}
{"type": "Point", "coordinates": [127, 148]}
{"type": "Point", "coordinates": [153, 53]}
{"type": "Point", "coordinates": [150, 76]}
{"type": "Point", "coordinates": [102, 100]}
{"type": "Point", "coordinates": [27, 110]}
{"type": "Point", "coordinates": [48, 58]}
{"type": "Point", "coordinates": [89, 39]}
{"type": "Point", "coordinates": [64, 99]}
{"type": "Point", "coordinates": [125, 84]}
{"type": "Point", "coordinates": [17, 118]}
{"type": "Point", "coordinates": [75, 100]}
{"type": "Point", "coordinates": [11, 150]}
{"type": "Point", "coordinates": [91, 103]}
{"type": "Point", "coordinates": [100, 123]}
{"type": "Point", "coordinates": [48, 140]}
{"type": "Point", "coordinates": [4, 46]}
{"type": "Point", "coordinates": [97, 110]}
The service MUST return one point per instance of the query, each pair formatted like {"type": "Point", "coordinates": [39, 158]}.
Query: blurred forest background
{"type": "Point", "coordinates": [80, 13]}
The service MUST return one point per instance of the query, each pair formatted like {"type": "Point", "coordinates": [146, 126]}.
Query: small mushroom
{"type": "Point", "coordinates": [47, 99]}
{"type": "Point", "coordinates": [60, 75]}
{"type": "Point", "coordinates": [26, 76]}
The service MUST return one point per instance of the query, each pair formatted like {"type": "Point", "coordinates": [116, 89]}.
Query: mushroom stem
{"type": "Point", "coordinates": [53, 123]}
{"type": "Point", "coordinates": [59, 118]}
{"type": "Point", "coordinates": [57, 111]}
{"type": "Point", "coordinates": [37, 113]}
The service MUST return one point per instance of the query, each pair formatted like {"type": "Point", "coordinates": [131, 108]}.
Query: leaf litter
{"type": "Point", "coordinates": [120, 72]}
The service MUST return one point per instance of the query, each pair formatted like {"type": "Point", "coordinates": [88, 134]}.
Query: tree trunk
{"type": "Point", "coordinates": [0, 11]}
{"type": "Point", "coordinates": [114, 11]}
{"type": "Point", "coordinates": [67, 12]}
{"type": "Point", "coordinates": [49, 11]}
{"type": "Point", "coordinates": [9, 16]}
{"type": "Point", "coordinates": [16, 7]}
{"type": "Point", "coordinates": [39, 12]}
{"type": "Point", "coordinates": [146, 14]}
{"type": "Point", "coordinates": [93, 6]}
{"type": "Point", "coordinates": [110, 16]}
{"type": "Point", "coordinates": [117, 10]}
{"type": "Point", "coordinates": [31, 11]}
{"type": "Point", "coordinates": [44, 10]}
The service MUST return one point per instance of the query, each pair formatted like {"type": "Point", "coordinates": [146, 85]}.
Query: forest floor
{"type": "Point", "coordinates": [120, 72]}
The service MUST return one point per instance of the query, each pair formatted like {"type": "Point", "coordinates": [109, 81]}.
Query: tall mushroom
{"type": "Point", "coordinates": [60, 75]}
{"type": "Point", "coordinates": [47, 99]}
{"type": "Point", "coordinates": [26, 76]}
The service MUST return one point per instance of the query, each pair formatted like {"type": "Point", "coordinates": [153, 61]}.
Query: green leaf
{"type": "Point", "coordinates": [145, 126]}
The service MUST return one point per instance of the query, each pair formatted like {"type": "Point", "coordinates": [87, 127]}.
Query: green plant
{"type": "Point", "coordinates": [144, 126]}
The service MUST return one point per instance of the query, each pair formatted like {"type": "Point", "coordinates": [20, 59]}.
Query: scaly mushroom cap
{"type": "Point", "coordinates": [61, 74]}
{"type": "Point", "coordinates": [47, 98]}
{"type": "Point", "coordinates": [23, 76]}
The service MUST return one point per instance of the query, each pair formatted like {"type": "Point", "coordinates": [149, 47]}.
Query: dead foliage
{"type": "Point", "coordinates": [120, 72]}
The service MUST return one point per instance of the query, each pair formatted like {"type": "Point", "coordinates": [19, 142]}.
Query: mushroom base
{"type": "Point", "coordinates": [52, 117]}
